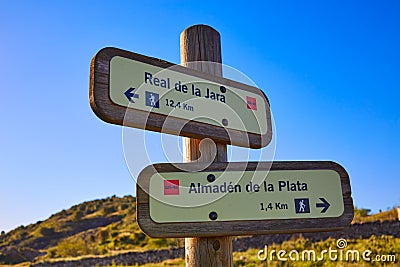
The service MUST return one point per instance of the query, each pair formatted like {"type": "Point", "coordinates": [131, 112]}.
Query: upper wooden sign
{"type": "Point", "coordinates": [148, 93]}
{"type": "Point", "coordinates": [243, 198]}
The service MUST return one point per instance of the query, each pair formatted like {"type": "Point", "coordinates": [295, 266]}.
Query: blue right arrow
{"type": "Point", "coordinates": [131, 95]}
{"type": "Point", "coordinates": [325, 205]}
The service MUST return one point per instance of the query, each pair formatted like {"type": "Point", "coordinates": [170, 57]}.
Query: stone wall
{"type": "Point", "coordinates": [355, 231]}
{"type": "Point", "coordinates": [130, 258]}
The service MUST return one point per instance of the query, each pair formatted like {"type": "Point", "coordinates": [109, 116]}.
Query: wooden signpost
{"type": "Point", "coordinates": [208, 200]}
{"type": "Point", "coordinates": [246, 198]}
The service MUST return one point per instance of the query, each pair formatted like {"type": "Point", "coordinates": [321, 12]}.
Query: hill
{"type": "Point", "coordinates": [100, 227]}
{"type": "Point", "coordinates": [363, 216]}
{"type": "Point", "coordinates": [96, 227]}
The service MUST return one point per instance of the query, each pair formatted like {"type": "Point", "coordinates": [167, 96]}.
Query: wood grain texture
{"type": "Point", "coordinates": [108, 111]}
{"type": "Point", "coordinates": [201, 50]}
{"type": "Point", "coordinates": [231, 228]}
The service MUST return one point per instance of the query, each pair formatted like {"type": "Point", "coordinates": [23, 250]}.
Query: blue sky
{"type": "Point", "coordinates": [329, 68]}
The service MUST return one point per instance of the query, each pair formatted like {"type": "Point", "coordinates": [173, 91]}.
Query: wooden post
{"type": "Point", "coordinates": [199, 44]}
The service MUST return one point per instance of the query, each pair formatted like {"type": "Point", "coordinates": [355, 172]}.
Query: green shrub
{"type": "Point", "coordinates": [47, 231]}
{"type": "Point", "coordinates": [158, 242]}
{"type": "Point", "coordinates": [77, 215]}
{"type": "Point", "coordinates": [361, 212]}
{"type": "Point", "coordinates": [73, 248]}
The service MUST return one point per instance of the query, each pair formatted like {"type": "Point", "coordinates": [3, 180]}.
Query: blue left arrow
{"type": "Point", "coordinates": [130, 95]}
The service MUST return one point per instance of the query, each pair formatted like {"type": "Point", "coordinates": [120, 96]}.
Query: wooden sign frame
{"type": "Point", "coordinates": [236, 228]}
{"type": "Point", "coordinates": [108, 111]}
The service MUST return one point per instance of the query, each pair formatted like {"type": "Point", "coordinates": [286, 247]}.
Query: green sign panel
{"type": "Point", "coordinates": [265, 197]}
{"type": "Point", "coordinates": [235, 195]}
{"type": "Point", "coordinates": [138, 91]}
{"type": "Point", "coordinates": [168, 92]}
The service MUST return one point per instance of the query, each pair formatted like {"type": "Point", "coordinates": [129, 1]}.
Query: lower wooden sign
{"type": "Point", "coordinates": [243, 198]}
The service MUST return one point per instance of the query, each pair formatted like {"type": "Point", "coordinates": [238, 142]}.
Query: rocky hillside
{"type": "Point", "coordinates": [108, 227]}
{"type": "Point", "coordinates": [92, 228]}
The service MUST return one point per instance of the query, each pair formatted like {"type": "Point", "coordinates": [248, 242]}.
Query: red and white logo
{"type": "Point", "coordinates": [251, 103]}
{"type": "Point", "coordinates": [171, 187]}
